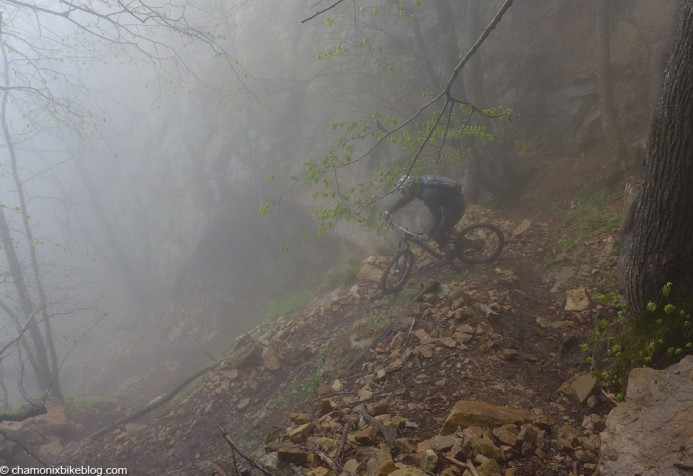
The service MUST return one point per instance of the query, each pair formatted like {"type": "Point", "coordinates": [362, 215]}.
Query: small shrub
{"type": "Point", "coordinates": [658, 338]}
{"type": "Point", "coordinates": [378, 323]}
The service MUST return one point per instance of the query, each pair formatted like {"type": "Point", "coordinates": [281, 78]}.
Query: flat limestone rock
{"type": "Point", "coordinates": [577, 300]}
{"type": "Point", "coordinates": [468, 413]}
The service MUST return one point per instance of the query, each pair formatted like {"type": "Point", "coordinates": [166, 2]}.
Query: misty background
{"type": "Point", "coordinates": [145, 169]}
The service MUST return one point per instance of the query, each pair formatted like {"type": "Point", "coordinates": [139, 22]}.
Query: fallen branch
{"type": "Point", "coordinates": [236, 472]}
{"type": "Point", "coordinates": [324, 457]}
{"type": "Point", "coordinates": [345, 434]}
{"type": "Point", "coordinates": [386, 432]}
{"type": "Point", "coordinates": [468, 465]}
{"type": "Point", "coordinates": [610, 397]}
{"type": "Point", "coordinates": [411, 328]}
{"type": "Point", "coordinates": [34, 410]}
{"type": "Point", "coordinates": [248, 460]}
{"type": "Point", "coordinates": [152, 406]}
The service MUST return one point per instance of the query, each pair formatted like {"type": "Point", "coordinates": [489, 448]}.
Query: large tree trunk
{"type": "Point", "coordinates": [661, 242]}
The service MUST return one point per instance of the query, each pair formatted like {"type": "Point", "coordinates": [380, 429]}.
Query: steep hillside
{"type": "Point", "coordinates": [492, 346]}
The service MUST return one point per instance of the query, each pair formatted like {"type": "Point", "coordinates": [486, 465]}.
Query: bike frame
{"type": "Point", "coordinates": [409, 236]}
{"type": "Point", "coordinates": [404, 260]}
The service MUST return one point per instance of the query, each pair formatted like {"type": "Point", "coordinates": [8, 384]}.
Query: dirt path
{"type": "Point", "coordinates": [508, 360]}
{"type": "Point", "coordinates": [496, 334]}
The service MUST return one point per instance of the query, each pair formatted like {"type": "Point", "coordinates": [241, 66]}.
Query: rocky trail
{"type": "Point", "coordinates": [481, 376]}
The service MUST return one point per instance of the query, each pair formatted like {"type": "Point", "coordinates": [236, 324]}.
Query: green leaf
{"type": "Point", "coordinates": [666, 289]}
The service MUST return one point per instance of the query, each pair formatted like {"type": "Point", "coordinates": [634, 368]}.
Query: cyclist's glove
{"type": "Point", "coordinates": [425, 237]}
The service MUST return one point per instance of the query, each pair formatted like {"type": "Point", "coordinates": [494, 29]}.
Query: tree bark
{"type": "Point", "coordinates": [660, 245]}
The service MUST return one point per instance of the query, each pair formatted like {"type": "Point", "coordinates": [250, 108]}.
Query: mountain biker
{"type": "Point", "coordinates": [442, 196]}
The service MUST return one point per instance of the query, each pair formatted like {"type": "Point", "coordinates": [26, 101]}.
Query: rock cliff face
{"type": "Point", "coordinates": [652, 432]}
{"type": "Point", "coordinates": [205, 186]}
{"type": "Point", "coordinates": [542, 62]}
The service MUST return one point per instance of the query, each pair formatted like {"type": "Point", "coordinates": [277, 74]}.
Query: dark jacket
{"type": "Point", "coordinates": [442, 196]}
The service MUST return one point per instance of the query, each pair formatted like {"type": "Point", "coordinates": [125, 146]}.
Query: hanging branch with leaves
{"type": "Point", "coordinates": [352, 203]}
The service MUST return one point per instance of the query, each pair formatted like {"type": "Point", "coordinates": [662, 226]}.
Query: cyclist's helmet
{"type": "Point", "coordinates": [405, 183]}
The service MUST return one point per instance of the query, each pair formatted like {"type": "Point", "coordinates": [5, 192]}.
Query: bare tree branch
{"type": "Point", "coordinates": [317, 14]}
{"type": "Point", "coordinates": [444, 94]}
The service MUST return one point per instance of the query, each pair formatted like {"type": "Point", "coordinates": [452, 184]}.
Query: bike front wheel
{"type": "Point", "coordinates": [397, 271]}
{"type": "Point", "coordinates": [480, 243]}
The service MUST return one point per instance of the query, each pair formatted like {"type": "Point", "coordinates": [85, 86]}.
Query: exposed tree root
{"type": "Point", "coordinates": [154, 405]}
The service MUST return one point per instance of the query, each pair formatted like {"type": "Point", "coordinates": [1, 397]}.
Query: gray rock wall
{"type": "Point", "coordinates": [652, 432]}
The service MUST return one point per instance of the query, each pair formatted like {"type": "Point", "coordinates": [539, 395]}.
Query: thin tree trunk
{"type": "Point", "coordinates": [451, 51]}
{"type": "Point", "coordinates": [661, 248]}
{"type": "Point", "coordinates": [120, 260]}
{"type": "Point", "coordinates": [3, 387]}
{"type": "Point", "coordinates": [40, 362]}
{"type": "Point", "coordinates": [434, 81]}
{"type": "Point", "coordinates": [475, 72]}
{"type": "Point", "coordinates": [612, 134]}
{"type": "Point", "coordinates": [475, 82]}
{"type": "Point", "coordinates": [54, 386]}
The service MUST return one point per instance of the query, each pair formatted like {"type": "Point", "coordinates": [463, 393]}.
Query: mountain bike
{"type": "Point", "coordinates": [474, 244]}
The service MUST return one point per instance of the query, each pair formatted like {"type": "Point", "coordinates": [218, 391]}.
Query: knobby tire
{"type": "Point", "coordinates": [397, 272]}
{"type": "Point", "coordinates": [493, 247]}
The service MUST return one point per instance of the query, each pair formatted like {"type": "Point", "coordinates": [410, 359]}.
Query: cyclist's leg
{"type": "Point", "coordinates": [462, 242]}
{"type": "Point", "coordinates": [451, 215]}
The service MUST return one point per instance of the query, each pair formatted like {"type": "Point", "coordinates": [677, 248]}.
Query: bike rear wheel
{"type": "Point", "coordinates": [397, 272]}
{"type": "Point", "coordinates": [480, 243]}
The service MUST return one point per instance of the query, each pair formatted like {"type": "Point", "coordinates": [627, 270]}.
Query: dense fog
{"type": "Point", "coordinates": [141, 147]}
